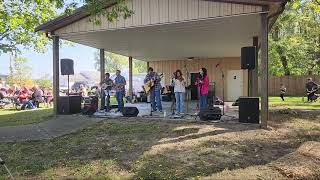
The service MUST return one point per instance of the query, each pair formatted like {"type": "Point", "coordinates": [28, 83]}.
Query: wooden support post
{"type": "Point", "coordinates": [148, 65]}
{"type": "Point", "coordinates": [130, 78]}
{"type": "Point", "coordinates": [102, 65]}
{"type": "Point", "coordinates": [264, 71]}
{"type": "Point", "coordinates": [55, 73]}
{"type": "Point", "coordinates": [254, 75]}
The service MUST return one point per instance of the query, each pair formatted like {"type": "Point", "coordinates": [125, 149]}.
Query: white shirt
{"type": "Point", "coordinates": [179, 86]}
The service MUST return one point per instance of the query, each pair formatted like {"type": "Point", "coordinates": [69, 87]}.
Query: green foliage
{"type": "Point", "coordinates": [114, 61]}
{"type": "Point", "coordinates": [19, 18]}
{"type": "Point", "coordinates": [295, 40]}
{"type": "Point", "coordinates": [20, 72]}
{"type": "Point", "coordinates": [44, 81]}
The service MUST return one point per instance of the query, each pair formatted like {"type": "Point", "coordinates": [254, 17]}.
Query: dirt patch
{"type": "Point", "coordinates": [301, 164]}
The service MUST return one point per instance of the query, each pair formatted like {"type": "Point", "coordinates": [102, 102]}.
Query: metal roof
{"type": "Point", "coordinates": [81, 13]}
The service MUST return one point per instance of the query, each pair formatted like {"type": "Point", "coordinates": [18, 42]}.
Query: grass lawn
{"type": "Point", "coordinates": [13, 117]}
{"type": "Point", "coordinates": [293, 103]}
{"type": "Point", "coordinates": [158, 149]}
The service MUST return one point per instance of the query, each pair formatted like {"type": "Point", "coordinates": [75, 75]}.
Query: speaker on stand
{"type": "Point", "coordinates": [248, 106]}
{"type": "Point", "coordinates": [68, 104]}
{"type": "Point", "coordinates": [67, 69]}
{"type": "Point", "coordinates": [248, 61]}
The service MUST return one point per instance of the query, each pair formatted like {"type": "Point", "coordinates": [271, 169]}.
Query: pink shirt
{"type": "Point", "coordinates": [203, 88]}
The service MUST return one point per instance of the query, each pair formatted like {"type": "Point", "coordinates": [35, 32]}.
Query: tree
{"type": "Point", "coordinates": [114, 61]}
{"type": "Point", "coordinates": [295, 40]}
{"type": "Point", "coordinates": [44, 81]}
{"type": "Point", "coordinates": [139, 66]}
{"type": "Point", "coordinates": [19, 18]}
{"type": "Point", "coordinates": [20, 73]}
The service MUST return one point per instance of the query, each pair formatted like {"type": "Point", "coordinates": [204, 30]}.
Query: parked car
{"type": "Point", "coordinates": [77, 84]}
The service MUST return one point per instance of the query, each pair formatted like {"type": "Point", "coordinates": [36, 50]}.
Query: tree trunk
{"type": "Point", "coordinates": [284, 63]}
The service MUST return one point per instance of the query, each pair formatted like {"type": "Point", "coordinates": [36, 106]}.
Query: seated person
{"type": "Point", "coordinates": [24, 99]}
{"type": "Point", "coordinates": [83, 91]}
{"type": "Point", "coordinates": [48, 97]}
{"type": "Point", "coordinates": [37, 96]}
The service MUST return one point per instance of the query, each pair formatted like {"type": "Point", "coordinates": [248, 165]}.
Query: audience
{"type": "Point", "coordinates": [37, 96]}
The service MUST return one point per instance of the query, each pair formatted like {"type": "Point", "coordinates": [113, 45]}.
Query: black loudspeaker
{"type": "Point", "coordinates": [66, 67]}
{"type": "Point", "coordinates": [75, 104]}
{"type": "Point", "coordinates": [248, 57]}
{"type": "Point", "coordinates": [63, 107]}
{"type": "Point", "coordinates": [249, 110]}
{"type": "Point", "coordinates": [213, 113]}
{"type": "Point", "coordinates": [130, 112]}
{"type": "Point", "coordinates": [69, 105]}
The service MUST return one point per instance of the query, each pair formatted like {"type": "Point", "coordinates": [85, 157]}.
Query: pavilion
{"type": "Point", "coordinates": [167, 33]}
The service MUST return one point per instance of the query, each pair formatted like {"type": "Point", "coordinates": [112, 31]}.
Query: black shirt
{"type": "Point", "coordinates": [310, 85]}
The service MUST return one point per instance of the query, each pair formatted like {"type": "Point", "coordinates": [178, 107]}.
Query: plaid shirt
{"type": "Point", "coordinates": [153, 76]}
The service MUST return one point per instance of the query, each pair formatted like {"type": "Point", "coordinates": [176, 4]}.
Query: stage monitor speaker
{"type": "Point", "coordinates": [66, 67]}
{"type": "Point", "coordinates": [130, 112]}
{"type": "Point", "coordinates": [69, 104]}
{"type": "Point", "coordinates": [248, 57]}
{"type": "Point", "coordinates": [249, 110]}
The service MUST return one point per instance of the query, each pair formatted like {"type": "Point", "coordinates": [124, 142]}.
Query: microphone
{"type": "Point", "coordinates": [217, 65]}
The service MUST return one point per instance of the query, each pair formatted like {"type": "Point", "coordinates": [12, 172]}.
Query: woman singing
{"type": "Point", "coordinates": [203, 87]}
{"type": "Point", "coordinates": [179, 84]}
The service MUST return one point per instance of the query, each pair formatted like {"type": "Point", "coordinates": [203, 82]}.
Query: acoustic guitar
{"type": "Point", "coordinates": [107, 86]}
{"type": "Point", "coordinates": [150, 84]}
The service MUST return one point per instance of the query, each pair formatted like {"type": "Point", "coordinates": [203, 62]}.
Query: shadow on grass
{"type": "Point", "coordinates": [145, 150]}
{"type": "Point", "coordinates": [12, 117]}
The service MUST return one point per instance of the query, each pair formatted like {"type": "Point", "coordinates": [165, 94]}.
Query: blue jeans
{"type": "Point", "coordinates": [156, 99]}
{"type": "Point", "coordinates": [103, 100]}
{"type": "Point", "coordinates": [203, 101]}
{"type": "Point", "coordinates": [119, 97]}
{"type": "Point", "coordinates": [27, 104]}
{"type": "Point", "coordinates": [179, 102]}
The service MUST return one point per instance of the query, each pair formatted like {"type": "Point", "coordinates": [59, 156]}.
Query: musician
{"type": "Point", "coordinates": [311, 88]}
{"type": "Point", "coordinates": [106, 87]}
{"type": "Point", "coordinates": [203, 88]}
{"type": "Point", "coordinates": [155, 94]}
{"type": "Point", "coordinates": [179, 84]}
{"type": "Point", "coordinates": [120, 83]}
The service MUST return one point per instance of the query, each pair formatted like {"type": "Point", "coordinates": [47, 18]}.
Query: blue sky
{"type": "Point", "coordinates": [41, 64]}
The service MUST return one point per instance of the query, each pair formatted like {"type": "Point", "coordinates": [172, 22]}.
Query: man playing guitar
{"type": "Point", "coordinates": [155, 94]}
{"type": "Point", "coordinates": [119, 84]}
{"type": "Point", "coordinates": [311, 89]}
{"type": "Point", "coordinates": [106, 86]}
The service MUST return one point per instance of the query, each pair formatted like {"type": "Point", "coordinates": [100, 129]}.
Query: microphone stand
{"type": "Point", "coordinates": [222, 78]}
{"type": "Point", "coordinates": [2, 162]}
